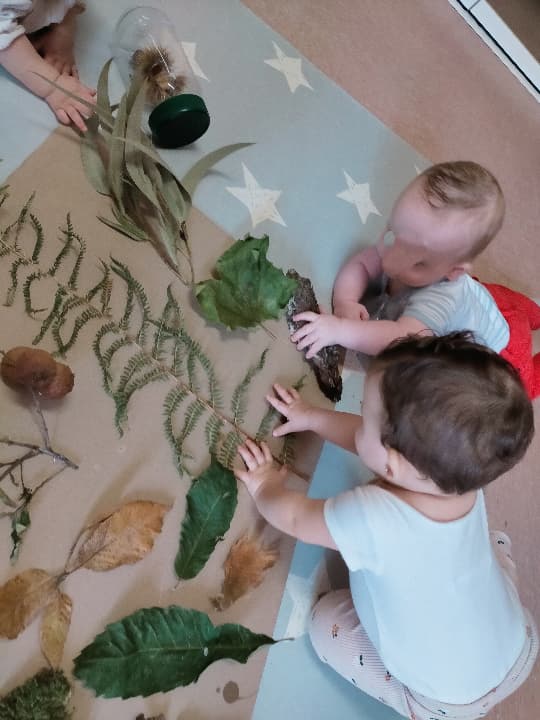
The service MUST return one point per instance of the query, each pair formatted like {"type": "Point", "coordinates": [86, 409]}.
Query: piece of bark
{"type": "Point", "coordinates": [326, 364]}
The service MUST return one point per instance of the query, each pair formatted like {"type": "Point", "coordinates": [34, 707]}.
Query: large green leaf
{"type": "Point", "coordinates": [159, 649]}
{"type": "Point", "coordinates": [249, 288]}
{"type": "Point", "coordinates": [211, 502]}
{"type": "Point", "coordinates": [43, 697]}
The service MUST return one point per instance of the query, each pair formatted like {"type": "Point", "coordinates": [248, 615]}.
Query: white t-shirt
{"type": "Point", "coordinates": [431, 596]}
{"type": "Point", "coordinates": [18, 17]}
{"type": "Point", "coordinates": [461, 304]}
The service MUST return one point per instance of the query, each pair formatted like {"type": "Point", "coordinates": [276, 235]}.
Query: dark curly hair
{"type": "Point", "coordinates": [454, 409]}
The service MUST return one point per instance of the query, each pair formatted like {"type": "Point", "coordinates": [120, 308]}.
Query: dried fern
{"type": "Point", "coordinates": [135, 349]}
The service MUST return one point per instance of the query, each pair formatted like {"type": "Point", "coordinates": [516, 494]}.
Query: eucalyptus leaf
{"type": "Point", "coordinates": [249, 288]}
{"type": "Point", "coordinates": [44, 696]}
{"type": "Point", "coordinates": [159, 649]}
{"type": "Point", "coordinates": [91, 158]}
{"type": "Point", "coordinates": [103, 102]}
{"type": "Point", "coordinates": [195, 174]}
{"type": "Point", "coordinates": [211, 502]}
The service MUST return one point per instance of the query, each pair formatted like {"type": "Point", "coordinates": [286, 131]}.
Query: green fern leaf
{"type": "Point", "coordinates": [239, 399]}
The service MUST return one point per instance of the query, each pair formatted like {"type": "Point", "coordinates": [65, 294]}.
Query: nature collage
{"type": "Point", "coordinates": [137, 344]}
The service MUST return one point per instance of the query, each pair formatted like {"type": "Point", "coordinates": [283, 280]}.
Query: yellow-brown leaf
{"type": "Point", "coordinates": [54, 628]}
{"type": "Point", "coordinates": [122, 538]}
{"type": "Point", "coordinates": [21, 598]}
{"type": "Point", "coordinates": [244, 568]}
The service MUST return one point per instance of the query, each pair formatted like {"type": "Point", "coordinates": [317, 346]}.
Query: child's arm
{"type": "Point", "coordinates": [337, 427]}
{"type": "Point", "coordinates": [22, 61]}
{"type": "Point", "coordinates": [352, 281]}
{"type": "Point", "coordinates": [367, 336]}
{"type": "Point", "coordinates": [287, 510]}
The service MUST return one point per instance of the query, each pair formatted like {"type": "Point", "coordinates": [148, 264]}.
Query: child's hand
{"type": "Point", "coordinates": [289, 404]}
{"type": "Point", "coordinates": [261, 472]}
{"type": "Point", "coordinates": [317, 332]}
{"type": "Point", "coordinates": [68, 109]}
{"type": "Point", "coordinates": [351, 310]}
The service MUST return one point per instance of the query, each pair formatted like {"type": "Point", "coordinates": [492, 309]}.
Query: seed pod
{"type": "Point", "coordinates": [61, 383]}
{"type": "Point", "coordinates": [24, 367]}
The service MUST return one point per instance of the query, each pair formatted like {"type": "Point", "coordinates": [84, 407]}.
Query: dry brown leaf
{"type": "Point", "coordinates": [122, 538]}
{"type": "Point", "coordinates": [54, 628]}
{"type": "Point", "coordinates": [21, 598]}
{"type": "Point", "coordinates": [244, 568]}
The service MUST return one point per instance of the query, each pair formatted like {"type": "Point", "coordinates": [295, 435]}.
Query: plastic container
{"type": "Point", "coordinates": [145, 44]}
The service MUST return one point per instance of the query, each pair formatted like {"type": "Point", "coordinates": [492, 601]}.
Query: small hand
{"type": "Point", "coordinates": [68, 109]}
{"type": "Point", "coordinates": [317, 332]}
{"type": "Point", "coordinates": [260, 471]}
{"type": "Point", "coordinates": [351, 310]}
{"type": "Point", "coordinates": [287, 402]}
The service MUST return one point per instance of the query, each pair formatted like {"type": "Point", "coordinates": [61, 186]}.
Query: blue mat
{"type": "Point", "coordinates": [320, 179]}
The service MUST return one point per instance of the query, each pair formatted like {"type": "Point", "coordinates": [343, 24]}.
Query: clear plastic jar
{"type": "Point", "coordinates": [145, 45]}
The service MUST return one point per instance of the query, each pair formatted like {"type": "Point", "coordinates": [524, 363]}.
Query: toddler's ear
{"type": "Point", "coordinates": [457, 270]}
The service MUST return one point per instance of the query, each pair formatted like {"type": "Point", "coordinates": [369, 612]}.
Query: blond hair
{"type": "Point", "coordinates": [466, 185]}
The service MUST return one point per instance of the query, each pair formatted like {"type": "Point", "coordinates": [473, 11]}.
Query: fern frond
{"type": "Point", "coordinates": [270, 416]}
{"type": "Point", "coordinates": [104, 330]}
{"type": "Point", "coordinates": [212, 433]}
{"type": "Point", "coordinates": [27, 294]}
{"type": "Point", "coordinates": [239, 398]}
{"type": "Point", "coordinates": [89, 314]}
{"type": "Point", "coordinates": [13, 273]}
{"type": "Point", "coordinates": [135, 292]}
{"type": "Point", "coordinates": [38, 229]}
{"type": "Point", "coordinates": [136, 363]}
{"type": "Point", "coordinates": [174, 399]}
{"type": "Point", "coordinates": [46, 324]}
{"type": "Point", "coordinates": [191, 417]}
{"type": "Point", "coordinates": [103, 287]}
{"type": "Point", "coordinates": [288, 450]}
{"type": "Point", "coordinates": [227, 451]}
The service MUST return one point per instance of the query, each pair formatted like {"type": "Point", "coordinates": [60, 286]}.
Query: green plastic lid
{"type": "Point", "coordinates": [179, 120]}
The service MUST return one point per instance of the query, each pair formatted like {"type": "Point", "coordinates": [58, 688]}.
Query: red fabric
{"type": "Point", "coordinates": [523, 316]}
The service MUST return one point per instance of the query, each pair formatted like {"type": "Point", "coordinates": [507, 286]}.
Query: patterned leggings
{"type": "Point", "coordinates": [355, 658]}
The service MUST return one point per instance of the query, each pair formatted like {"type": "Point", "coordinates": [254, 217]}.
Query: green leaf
{"type": "Point", "coordinates": [211, 502]}
{"type": "Point", "coordinates": [249, 288]}
{"type": "Point", "coordinates": [159, 649]}
{"type": "Point", "coordinates": [43, 697]}
{"type": "Point", "coordinates": [20, 522]}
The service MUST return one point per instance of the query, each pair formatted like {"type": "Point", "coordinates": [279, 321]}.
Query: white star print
{"type": "Point", "coordinates": [291, 67]}
{"type": "Point", "coordinates": [189, 48]}
{"type": "Point", "coordinates": [261, 202]}
{"type": "Point", "coordinates": [303, 593]}
{"type": "Point", "coordinates": [358, 195]}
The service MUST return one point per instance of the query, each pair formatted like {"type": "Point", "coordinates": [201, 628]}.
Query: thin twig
{"type": "Point", "coordinates": [58, 457]}
{"type": "Point", "coordinates": [40, 420]}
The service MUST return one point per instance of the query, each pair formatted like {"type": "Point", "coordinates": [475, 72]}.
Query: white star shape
{"type": "Point", "coordinates": [303, 593]}
{"type": "Point", "coordinates": [261, 202]}
{"type": "Point", "coordinates": [358, 195]}
{"type": "Point", "coordinates": [291, 67]}
{"type": "Point", "coordinates": [189, 48]}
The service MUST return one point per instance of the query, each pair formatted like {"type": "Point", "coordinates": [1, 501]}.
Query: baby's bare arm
{"type": "Point", "coordinates": [352, 281]}
{"type": "Point", "coordinates": [366, 336]}
{"type": "Point", "coordinates": [22, 61]}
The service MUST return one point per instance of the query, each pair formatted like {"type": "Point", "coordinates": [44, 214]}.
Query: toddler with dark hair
{"type": "Point", "coordinates": [432, 624]}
